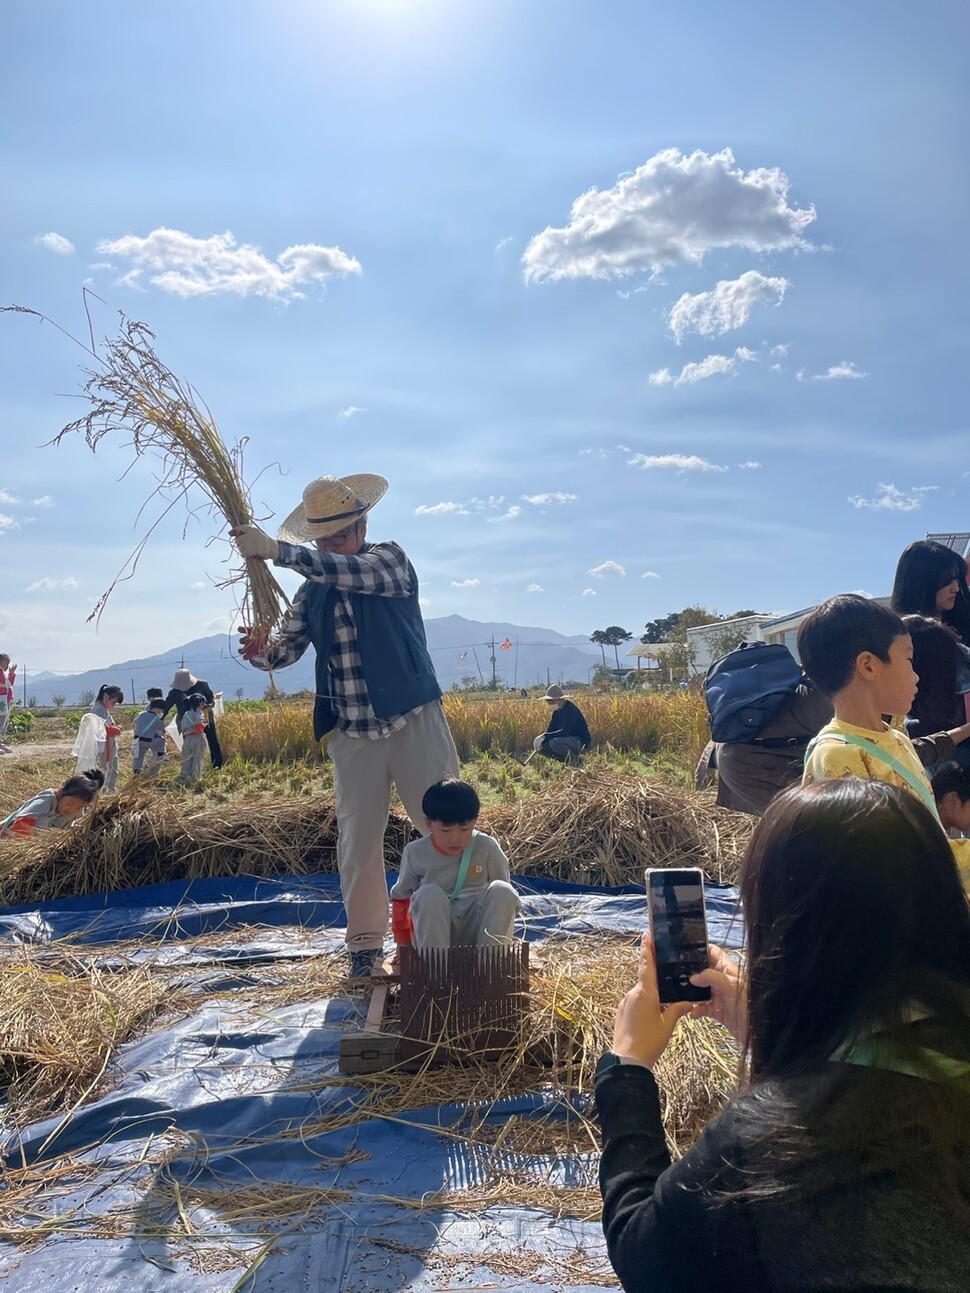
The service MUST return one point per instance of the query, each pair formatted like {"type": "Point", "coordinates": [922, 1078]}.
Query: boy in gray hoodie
{"type": "Point", "coordinates": [454, 883]}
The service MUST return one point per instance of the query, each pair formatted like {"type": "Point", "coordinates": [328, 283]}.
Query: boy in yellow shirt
{"type": "Point", "coordinates": [861, 656]}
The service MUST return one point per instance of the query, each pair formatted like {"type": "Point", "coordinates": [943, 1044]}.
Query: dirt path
{"type": "Point", "coordinates": [43, 750]}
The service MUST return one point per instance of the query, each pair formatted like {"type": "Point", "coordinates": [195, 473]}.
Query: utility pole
{"type": "Point", "coordinates": [25, 686]}
{"type": "Point", "coordinates": [492, 658]}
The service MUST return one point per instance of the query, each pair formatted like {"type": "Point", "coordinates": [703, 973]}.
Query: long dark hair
{"type": "Point", "coordinates": [935, 649]}
{"type": "Point", "coordinates": [85, 785]}
{"type": "Point", "coordinates": [108, 691]}
{"type": "Point", "coordinates": [857, 926]}
{"type": "Point", "coordinates": [922, 570]}
{"type": "Point", "coordinates": [854, 911]}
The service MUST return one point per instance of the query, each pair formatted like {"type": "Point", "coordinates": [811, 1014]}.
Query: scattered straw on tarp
{"type": "Point", "coordinates": [590, 829]}
{"type": "Point", "coordinates": [132, 393]}
{"type": "Point", "coordinates": [60, 1024]}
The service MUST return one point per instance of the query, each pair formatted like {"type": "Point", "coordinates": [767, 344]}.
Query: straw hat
{"type": "Point", "coordinates": [331, 505]}
{"type": "Point", "coordinates": [554, 693]}
{"type": "Point", "coordinates": [183, 680]}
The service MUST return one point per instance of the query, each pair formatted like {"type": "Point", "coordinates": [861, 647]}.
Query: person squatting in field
{"type": "Point", "coordinates": [454, 887]}
{"type": "Point", "coordinates": [567, 736]}
{"type": "Point", "coordinates": [54, 809]}
{"type": "Point", "coordinates": [376, 692]}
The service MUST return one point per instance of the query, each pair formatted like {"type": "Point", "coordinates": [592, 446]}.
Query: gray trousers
{"type": "Point", "coordinates": [558, 747]}
{"type": "Point", "coordinates": [193, 755]}
{"type": "Point", "coordinates": [411, 759]}
{"type": "Point", "coordinates": [475, 919]}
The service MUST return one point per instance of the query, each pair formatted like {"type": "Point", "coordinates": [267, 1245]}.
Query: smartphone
{"type": "Point", "coordinates": [678, 926]}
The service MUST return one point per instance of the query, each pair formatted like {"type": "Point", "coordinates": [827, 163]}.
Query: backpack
{"type": "Point", "coordinates": [747, 687]}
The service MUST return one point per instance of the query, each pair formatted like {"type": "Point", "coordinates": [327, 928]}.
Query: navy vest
{"type": "Point", "coordinates": [393, 649]}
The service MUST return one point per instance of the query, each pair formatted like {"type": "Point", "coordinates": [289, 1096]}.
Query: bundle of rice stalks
{"type": "Point", "coordinates": [132, 392]}
{"type": "Point", "coordinates": [605, 828]}
{"type": "Point", "coordinates": [60, 1023]}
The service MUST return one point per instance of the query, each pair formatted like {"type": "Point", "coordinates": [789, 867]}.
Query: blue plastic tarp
{"type": "Point", "coordinates": [233, 1096]}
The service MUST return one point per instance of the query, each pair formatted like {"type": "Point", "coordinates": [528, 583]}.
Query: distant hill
{"type": "Point", "coordinates": [459, 648]}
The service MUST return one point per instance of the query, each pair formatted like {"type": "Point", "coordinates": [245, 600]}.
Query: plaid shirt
{"type": "Point", "coordinates": [378, 570]}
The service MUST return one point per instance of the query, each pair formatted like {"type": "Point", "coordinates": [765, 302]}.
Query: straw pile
{"type": "Point", "coordinates": [589, 828]}
{"type": "Point", "coordinates": [60, 1023]}
{"type": "Point", "coordinates": [132, 392]}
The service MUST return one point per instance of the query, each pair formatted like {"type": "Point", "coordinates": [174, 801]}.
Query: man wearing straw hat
{"type": "Point", "coordinates": [567, 735]}
{"type": "Point", "coordinates": [376, 691]}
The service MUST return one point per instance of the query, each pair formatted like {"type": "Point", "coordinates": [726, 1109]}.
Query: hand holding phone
{"type": "Point", "coordinates": [643, 1027]}
{"type": "Point", "coordinates": [678, 929]}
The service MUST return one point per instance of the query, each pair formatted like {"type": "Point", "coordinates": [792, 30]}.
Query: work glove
{"type": "Point", "coordinates": [401, 928]}
{"type": "Point", "coordinates": [251, 541]}
{"type": "Point", "coordinates": [198, 729]}
{"type": "Point", "coordinates": [110, 729]}
{"type": "Point", "coordinates": [252, 641]}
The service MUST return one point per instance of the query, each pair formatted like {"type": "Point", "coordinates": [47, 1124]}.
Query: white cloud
{"type": "Point", "coordinates": [607, 568]}
{"type": "Point", "coordinates": [438, 509]}
{"type": "Point", "coordinates": [650, 574]}
{"type": "Point", "coordinates": [673, 462]}
{"type": "Point", "coordinates": [186, 266]}
{"type": "Point", "coordinates": [503, 242]}
{"type": "Point", "coordinates": [45, 501]}
{"type": "Point", "coordinates": [711, 366]}
{"type": "Point", "coordinates": [589, 592]}
{"type": "Point", "coordinates": [671, 210]}
{"type": "Point", "coordinates": [56, 242]}
{"type": "Point", "coordinates": [750, 465]}
{"type": "Point", "coordinates": [894, 500]}
{"type": "Point", "coordinates": [464, 583]}
{"type": "Point", "coordinates": [220, 624]}
{"type": "Point", "coordinates": [541, 500]}
{"type": "Point", "coordinates": [535, 588]}
{"type": "Point", "coordinates": [7, 497]}
{"type": "Point", "coordinates": [199, 583]}
{"type": "Point", "coordinates": [780, 351]}
{"type": "Point", "coordinates": [728, 305]}
{"type": "Point", "coordinates": [510, 515]}
{"type": "Point", "coordinates": [7, 522]}
{"type": "Point", "coordinates": [350, 411]}
{"type": "Point", "coordinates": [840, 372]}
{"type": "Point", "coordinates": [48, 585]}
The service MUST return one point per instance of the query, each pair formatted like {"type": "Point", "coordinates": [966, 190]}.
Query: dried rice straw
{"type": "Point", "coordinates": [134, 392]}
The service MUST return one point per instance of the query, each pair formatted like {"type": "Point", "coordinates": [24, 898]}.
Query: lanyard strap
{"type": "Point", "coordinates": [466, 858]}
{"type": "Point", "coordinates": [908, 775]}
{"type": "Point", "coordinates": [876, 1054]}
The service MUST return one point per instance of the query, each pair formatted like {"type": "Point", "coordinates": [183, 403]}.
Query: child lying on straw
{"type": "Point", "coordinates": [54, 808]}
{"type": "Point", "coordinates": [454, 884]}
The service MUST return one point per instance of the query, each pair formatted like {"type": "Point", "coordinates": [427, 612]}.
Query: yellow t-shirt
{"type": "Point", "coordinates": [831, 760]}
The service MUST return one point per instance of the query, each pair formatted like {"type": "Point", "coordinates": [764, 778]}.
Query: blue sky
{"type": "Point", "coordinates": [636, 305]}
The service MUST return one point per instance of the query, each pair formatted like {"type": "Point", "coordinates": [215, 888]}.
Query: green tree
{"type": "Point", "coordinates": [240, 692]}
{"type": "Point", "coordinates": [57, 701]}
{"type": "Point", "coordinates": [599, 637]}
{"type": "Point", "coordinates": [86, 696]}
{"type": "Point", "coordinates": [659, 630]}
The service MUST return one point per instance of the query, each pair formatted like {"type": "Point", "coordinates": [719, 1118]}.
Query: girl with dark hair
{"type": "Point", "coordinates": [931, 582]}
{"type": "Point", "coordinates": [931, 579]}
{"type": "Point", "coordinates": [97, 735]}
{"type": "Point", "coordinates": [54, 808]}
{"type": "Point", "coordinates": [845, 1164]}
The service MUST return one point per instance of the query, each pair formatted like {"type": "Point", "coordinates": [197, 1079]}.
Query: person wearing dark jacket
{"type": "Point", "coordinates": [845, 1164]}
{"type": "Point", "coordinates": [567, 735]}
{"type": "Point", "coordinates": [184, 685]}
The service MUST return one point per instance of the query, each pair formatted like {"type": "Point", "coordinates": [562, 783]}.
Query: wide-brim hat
{"type": "Point", "coordinates": [183, 680]}
{"type": "Point", "coordinates": [554, 693]}
{"type": "Point", "coordinates": [331, 504]}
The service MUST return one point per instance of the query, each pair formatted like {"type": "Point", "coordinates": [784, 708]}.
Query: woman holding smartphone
{"type": "Point", "coordinates": [845, 1163]}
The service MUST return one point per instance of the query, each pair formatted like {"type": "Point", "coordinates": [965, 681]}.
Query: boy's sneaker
{"type": "Point", "coordinates": [362, 962]}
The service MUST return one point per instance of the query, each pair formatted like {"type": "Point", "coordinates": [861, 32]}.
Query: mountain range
{"type": "Point", "coordinates": [459, 648]}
